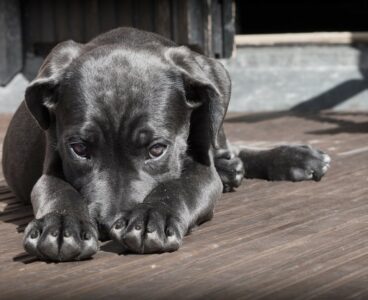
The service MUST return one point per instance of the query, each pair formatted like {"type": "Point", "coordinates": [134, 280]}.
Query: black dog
{"type": "Point", "coordinates": [122, 137]}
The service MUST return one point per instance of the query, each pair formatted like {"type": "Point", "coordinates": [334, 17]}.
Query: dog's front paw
{"type": "Point", "coordinates": [59, 237]}
{"type": "Point", "coordinates": [149, 228]}
{"type": "Point", "coordinates": [230, 169]}
{"type": "Point", "coordinates": [297, 163]}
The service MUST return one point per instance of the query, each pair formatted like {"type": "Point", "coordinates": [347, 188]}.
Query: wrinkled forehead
{"type": "Point", "coordinates": [124, 90]}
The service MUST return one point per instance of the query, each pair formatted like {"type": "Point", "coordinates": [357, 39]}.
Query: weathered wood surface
{"type": "Point", "coordinates": [272, 240]}
{"type": "Point", "coordinates": [313, 38]}
{"type": "Point", "coordinates": [204, 25]}
{"type": "Point", "coordinates": [11, 59]}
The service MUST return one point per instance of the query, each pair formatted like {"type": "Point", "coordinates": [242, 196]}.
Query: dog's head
{"type": "Point", "coordinates": [122, 120]}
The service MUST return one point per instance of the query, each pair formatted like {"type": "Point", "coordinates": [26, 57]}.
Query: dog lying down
{"type": "Point", "coordinates": [122, 138]}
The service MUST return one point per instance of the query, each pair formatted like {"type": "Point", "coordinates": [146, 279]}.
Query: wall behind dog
{"type": "Point", "coordinates": [302, 78]}
{"type": "Point", "coordinates": [265, 78]}
{"type": "Point", "coordinates": [29, 29]}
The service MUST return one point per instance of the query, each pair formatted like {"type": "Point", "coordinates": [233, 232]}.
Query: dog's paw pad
{"type": "Point", "coordinates": [60, 238]}
{"type": "Point", "coordinates": [297, 163]}
{"type": "Point", "coordinates": [148, 229]}
{"type": "Point", "coordinates": [230, 169]}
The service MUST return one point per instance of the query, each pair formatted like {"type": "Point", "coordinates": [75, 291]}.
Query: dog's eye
{"type": "Point", "coordinates": [157, 150]}
{"type": "Point", "coordinates": [80, 149]}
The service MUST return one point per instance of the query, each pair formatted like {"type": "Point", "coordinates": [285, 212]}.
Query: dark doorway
{"type": "Point", "coordinates": [281, 16]}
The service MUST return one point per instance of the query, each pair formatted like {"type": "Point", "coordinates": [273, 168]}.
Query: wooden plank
{"type": "Point", "coordinates": [48, 22]}
{"type": "Point", "coordinates": [107, 14]}
{"type": "Point", "coordinates": [174, 20]}
{"type": "Point", "coordinates": [91, 25]}
{"type": "Point", "coordinates": [334, 38]}
{"type": "Point", "coordinates": [143, 14]}
{"type": "Point", "coordinates": [32, 24]}
{"type": "Point", "coordinates": [272, 240]}
{"type": "Point", "coordinates": [180, 21]}
{"type": "Point", "coordinates": [228, 25]}
{"type": "Point", "coordinates": [162, 18]}
{"type": "Point", "coordinates": [76, 20]}
{"type": "Point", "coordinates": [124, 11]}
{"type": "Point", "coordinates": [61, 12]}
{"type": "Point", "coordinates": [11, 55]}
{"type": "Point", "coordinates": [207, 27]}
{"type": "Point", "coordinates": [195, 25]}
{"type": "Point", "coordinates": [217, 36]}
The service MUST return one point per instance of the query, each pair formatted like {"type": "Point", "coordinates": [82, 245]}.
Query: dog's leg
{"type": "Point", "coordinates": [289, 162]}
{"type": "Point", "coordinates": [170, 211]}
{"type": "Point", "coordinates": [228, 165]}
{"type": "Point", "coordinates": [62, 229]}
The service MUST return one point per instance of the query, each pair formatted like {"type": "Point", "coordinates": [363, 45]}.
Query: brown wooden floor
{"type": "Point", "coordinates": [267, 240]}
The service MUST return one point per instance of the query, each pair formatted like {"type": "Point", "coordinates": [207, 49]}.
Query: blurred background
{"type": "Point", "coordinates": [281, 54]}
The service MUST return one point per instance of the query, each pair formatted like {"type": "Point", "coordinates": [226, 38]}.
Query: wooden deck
{"type": "Point", "coordinates": [267, 240]}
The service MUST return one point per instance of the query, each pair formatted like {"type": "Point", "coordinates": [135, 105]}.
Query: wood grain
{"type": "Point", "coordinates": [268, 240]}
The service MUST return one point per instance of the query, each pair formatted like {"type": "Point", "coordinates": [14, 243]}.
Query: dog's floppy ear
{"type": "Point", "coordinates": [207, 89]}
{"type": "Point", "coordinates": [40, 96]}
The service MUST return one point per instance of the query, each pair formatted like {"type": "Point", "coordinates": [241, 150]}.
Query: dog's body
{"type": "Point", "coordinates": [122, 137]}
